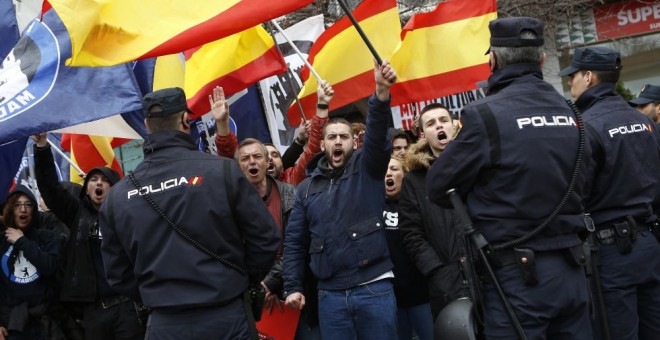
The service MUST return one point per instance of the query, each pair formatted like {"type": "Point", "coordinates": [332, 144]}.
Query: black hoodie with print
{"type": "Point", "coordinates": [28, 266]}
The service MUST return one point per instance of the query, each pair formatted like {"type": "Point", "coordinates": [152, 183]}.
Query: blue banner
{"type": "Point", "coordinates": [8, 28]}
{"type": "Point", "coordinates": [11, 155]}
{"type": "Point", "coordinates": [249, 116]}
{"type": "Point", "coordinates": [39, 93]}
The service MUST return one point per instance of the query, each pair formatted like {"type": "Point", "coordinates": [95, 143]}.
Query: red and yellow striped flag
{"type": "Point", "coordinates": [342, 58]}
{"type": "Point", "coordinates": [234, 62]}
{"type": "Point", "coordinates": [441, 52]}
{"type": "Point", "coordinates": [89, 152]}
{"type": "Point", "coordinates": [105, 33]}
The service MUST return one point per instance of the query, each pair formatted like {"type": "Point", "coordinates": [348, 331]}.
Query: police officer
{"type": "Point", "coordinates": [513, 162]}
{"type": "Point", "coordinates": [626, 162]}
{"type": "Point", "coordinates": [648, 102]}
{"type": "Point", "coordinates": [209, 199]}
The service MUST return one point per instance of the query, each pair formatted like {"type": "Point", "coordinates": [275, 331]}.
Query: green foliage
{"type": "Point", "coordinates": [624, 91]}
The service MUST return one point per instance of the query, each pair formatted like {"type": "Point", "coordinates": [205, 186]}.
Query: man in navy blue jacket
{"type": "Point", "coordinates": [337, 220]}
{"type": "Point", "coordinates": [512, 162]}
{"type": "Point", "coordinates": [626, 160]}
{"type": "Point", "coordinates": [214, 204]}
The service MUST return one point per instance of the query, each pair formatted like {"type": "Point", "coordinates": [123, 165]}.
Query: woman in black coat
{"type": "Point", "coordinates": [30, 259]}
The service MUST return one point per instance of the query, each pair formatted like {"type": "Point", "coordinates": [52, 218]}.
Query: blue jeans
{"type": "Point", "coordinates": [362, 312]}
{"type": "Point", "coordinates": [418, 318]}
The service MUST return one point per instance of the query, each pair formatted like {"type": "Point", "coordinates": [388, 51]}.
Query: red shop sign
{"type": "Point", "coordinates": [627, 18]}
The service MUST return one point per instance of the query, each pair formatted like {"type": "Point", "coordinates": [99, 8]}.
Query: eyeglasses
{"type": "Point", "coordinates": [26, 205]}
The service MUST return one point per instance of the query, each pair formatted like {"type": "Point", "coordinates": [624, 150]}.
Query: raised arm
{"type": "Point", "coordinates": [59, 200]}
{"type": "Point", "coordinates": [225, 140]}
{"type": "Point", "coordinates": [377, 148]}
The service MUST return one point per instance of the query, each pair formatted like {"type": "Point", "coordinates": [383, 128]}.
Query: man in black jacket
{"type": "Point", "coordinates": [106, 313]}
{"type": "Point", "coordinates": [430, 231]}
{"type": "Point", "coordinates": [193, 294]}
{"type": "Point", "coordinates": [626, 160]}
{"type": "Point", "coordinates": [513, 161]}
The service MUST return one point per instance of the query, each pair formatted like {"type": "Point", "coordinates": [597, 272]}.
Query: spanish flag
{"type": "Point", "coordinates": [441, 52]}
{"type": "Point", "coordinates": [234, 62]}
{"type": "Point", "coordinates": [169, 71]}
{"type": "Point", "coordinates": [342, 58]}
{"type": "Point", "coordinates": [107, 33]}
{"type": "Point", "coordinates": [89, 152]}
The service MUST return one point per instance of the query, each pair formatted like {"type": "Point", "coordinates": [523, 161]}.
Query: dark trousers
{"type": "Point", "coordinates": [117, 322]}
{"type": "Point", "coordinates": [556, 308]}
{"type": "Point", "coordinates": [228, 322]}
{"type": "Point", "coordinates": [631, 289]}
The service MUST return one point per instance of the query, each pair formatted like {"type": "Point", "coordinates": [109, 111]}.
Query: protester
{"type": "Point", "coordinates": [278, 196]}
{"type": "Point", "coordinates": [400, 142]}
{"type": "Point", "coordinates": [226, 140]}
{"type": "Point", "coordinates": [337, 220]}
{"type": "Point", "coordinates": [106, 313]}
{"type": "Point", "coordinates": [410, 289]}
{"type": "Point", "coordinates": [30, 259]}
{"type": "Point", "coordinates": [648, 102]}
{"type": "Point", "coordinates": [275, 160]}
{"type": "Point", "coordinates": [514, 165]}
{"type": "Point", "coordinates": [626, 162]}
{"type": "Point", "coordinates": [293, 152]}
{"type": "Point", "coordinates": [359, 130]}
{"type": "Point", "coordinates": [192, 293]}
{"type": "Point", "coordinates": [252, 157]}
{"type": "Point", "coordinates": [430, 232]}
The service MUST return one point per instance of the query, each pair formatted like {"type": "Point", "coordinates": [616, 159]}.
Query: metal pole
{"type": "Point", "coordinates": [295, 48]}
{"type": "Point", "coordinates": [33, 177]}
{"type": "Point", "coordinates": [74, 165]}
{"type": "Point", "coordinates": [290, 80]}
{"type": "Point", "coordinates": [360, 31]}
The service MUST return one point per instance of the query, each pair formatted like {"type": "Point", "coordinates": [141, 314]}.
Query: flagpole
{"type": "Point", "coordinates": [290, 80]}
{"type": "Point", "coordinates": [309, 66]}
{"type": "Point", "coordinates": [33, 177]}
{"type": "Point", "coordinates": [74, 165]}
{"type": "Point", "coordinates": [360, 31]}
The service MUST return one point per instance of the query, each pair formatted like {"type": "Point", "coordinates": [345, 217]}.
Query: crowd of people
{"type": "Point", "coordinates": [353, 225]}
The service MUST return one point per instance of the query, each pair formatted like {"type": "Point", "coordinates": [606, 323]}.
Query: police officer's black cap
{"type": "Point", "coordinates": [171, 100]}
{"type": "Point", "coordinates": [593, 59]}
{"type": "Point", "coordinates": [505, 32]}
{"type": "Point", "coordinates": [649, 94]}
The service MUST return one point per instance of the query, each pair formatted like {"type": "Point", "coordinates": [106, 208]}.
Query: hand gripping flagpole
{"type": "Point", "coordinates": [360, 31]}
{"type": "Point", "coordinates": [309, 66]}
{"type": "Point", "coordinates": [74, 165]}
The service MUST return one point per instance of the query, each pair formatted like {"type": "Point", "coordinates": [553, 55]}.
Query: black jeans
{"type": "Point", "coordinates": [228, 322]}
{"type": "Point", "coordinates": [118, 322]}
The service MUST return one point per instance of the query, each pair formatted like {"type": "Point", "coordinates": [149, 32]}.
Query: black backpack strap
{"type": "Point", "coordinates": [493, 138]}
{"type": "Point", "coordinates": [229, 186]}
{"type": "Point", "coordinates": [493, 133]}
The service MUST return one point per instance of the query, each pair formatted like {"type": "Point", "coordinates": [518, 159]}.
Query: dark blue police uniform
{"type": "Point", "coordinates": [192, 295]}
{"type": "Point", "coordinates": [512, 162]}
{"type": "Point", "coordinates": [626, 163]}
